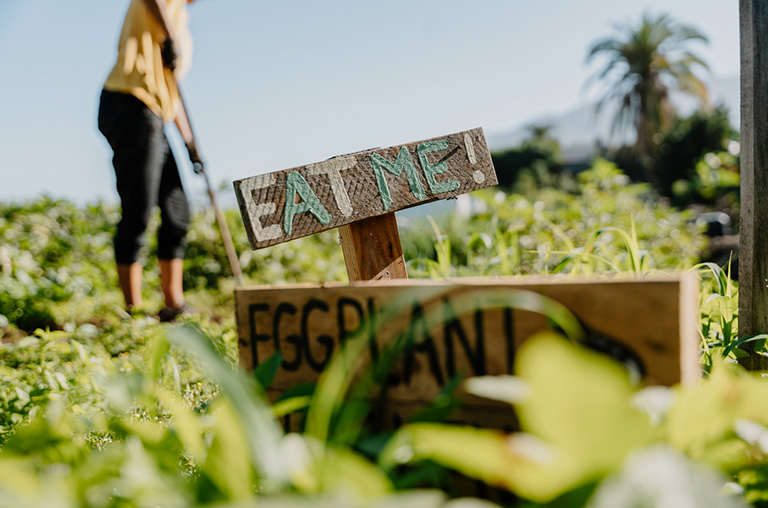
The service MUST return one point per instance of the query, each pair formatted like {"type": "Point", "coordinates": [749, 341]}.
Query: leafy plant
{"type": "Point", "coordinates": [142, 444]}
{"type": "Point", "coordinates": [100, 410]}
{"type": "Point", "coordinates": [685, 142]}
{"type": "Point", "coordinates": [589, 437]}
{"type": "Point", "coordinates": [608, 225]}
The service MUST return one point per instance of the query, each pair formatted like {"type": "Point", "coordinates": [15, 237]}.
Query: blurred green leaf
{"type": "Point", "coordinates": [661, 477]}
{"type": "Point", "coordinates": [265, 372]}
{"type": "Point", "coordinates": [185, 424]}
{"type": "Point", "coordinates": [579, 422]}
{"type": "Point", "coordinates": [228, 462]}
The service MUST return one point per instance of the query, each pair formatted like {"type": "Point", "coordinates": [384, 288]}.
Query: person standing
{"type": "Point", "coordinates": [139, 96]}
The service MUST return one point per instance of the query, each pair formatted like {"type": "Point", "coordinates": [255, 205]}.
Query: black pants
{"type": "Point", "coordinates": [147, 176]}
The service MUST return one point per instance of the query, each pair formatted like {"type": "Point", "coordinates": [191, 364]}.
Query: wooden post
{"type": "Point", "coordinates": [753, 237]}
{"type": "Point", "coordinates": [372, 249]}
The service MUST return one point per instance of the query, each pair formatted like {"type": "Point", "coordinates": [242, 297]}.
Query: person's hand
{"type": "Point", "coordinates": [194, 156]}
{"type": "Point", "coordinates": [169, 54]}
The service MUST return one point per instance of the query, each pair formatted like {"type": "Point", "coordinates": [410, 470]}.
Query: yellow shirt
{"type": "Point", "coordinates": [139, 69]}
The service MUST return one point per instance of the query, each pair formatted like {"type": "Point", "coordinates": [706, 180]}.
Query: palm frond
{"type": "Point", "coordinates": [644, 60]}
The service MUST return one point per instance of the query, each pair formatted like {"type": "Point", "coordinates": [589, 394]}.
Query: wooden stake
{"type": "Point", "coordinates": [372, 249]}
{"type": "Point", "coordinates": [753, 239]}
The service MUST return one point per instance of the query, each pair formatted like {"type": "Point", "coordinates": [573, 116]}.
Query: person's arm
{"type": "Point", "coordinates": [185, 129]}
{"type": "Point", "coordinates": [158, 9]}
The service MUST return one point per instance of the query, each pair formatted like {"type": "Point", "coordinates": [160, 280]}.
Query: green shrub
{"type": "Point", "coordinates": [554, 231]}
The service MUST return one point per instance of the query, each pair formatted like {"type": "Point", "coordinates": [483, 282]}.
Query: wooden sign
{"type": "Point", "coordinates": [653, 320]}
{"type": "Point", "coordinates": [284, 205]}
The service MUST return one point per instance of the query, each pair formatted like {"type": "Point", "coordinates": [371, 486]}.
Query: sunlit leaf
{"type": "Point", "coordinates": [580, 403]}
{"type": "Point", "coordinates": [228, 462]}
{"type": "Point", "coordinates": [185, 423]}
{"type": "Point", "coordinates": [508, 389]}
{"type": "Point", "coordinates": [704, 418]}
{"type": "Point", "coordinates": [660, 477]}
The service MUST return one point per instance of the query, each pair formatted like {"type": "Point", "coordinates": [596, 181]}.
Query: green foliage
{"type": "Point", "coordinates": [108, 411]}
{"type": "Point", "coordinates": [52, 251]}
{"type": "Point", "coordinates": [55, 252]}
{"type": "Point", "coordinates": [131, 432]}
{"type": "Point", "coordinates": [538, 158]}
{"type": "Point", "coordinates": [719, 310]}
{"type": "Point", "coordinates": [588, 433]}
{"type": "Point", "coordinates": [311, 259]}
{"type": "Point", "coordinates": [715, 183]}
{"type": "Point", "coordinates": [132, 436]}
{"type": "Point", "coordinates": [686, 141]}
{"type": "Point", "coordinates": [609, 225]}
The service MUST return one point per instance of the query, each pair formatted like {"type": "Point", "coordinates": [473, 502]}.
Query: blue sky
{"type": "Point", "coordinates": [275, 84]}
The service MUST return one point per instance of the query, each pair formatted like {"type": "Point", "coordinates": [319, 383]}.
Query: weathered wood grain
{"type": "Point", "coordinates": [654, 318]}
{"type": "Point", "coordinates": [372, 249]}
{"type": "Point", "coordinates": [753, 235]}
{"type": "Point", "coordinates": [280, 206]}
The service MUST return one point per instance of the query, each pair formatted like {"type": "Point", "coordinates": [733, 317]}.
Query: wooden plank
{"type": "Point", "coordinates": [280, 206]}
{"type": "Point", "coordinates": [372, 249]}
{"type": "Point", "coordinates": [654, 318]}
{"type": "Point", "coordinates": [753, 238]}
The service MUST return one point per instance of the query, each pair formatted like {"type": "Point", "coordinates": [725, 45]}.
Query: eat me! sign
{"type": "Point", "coordinates": [280, 206]}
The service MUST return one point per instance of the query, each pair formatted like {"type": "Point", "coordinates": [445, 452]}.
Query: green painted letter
{"type": "Point", "coordinates": [296, 184]}
{"type": "Point", "coordinates": [403, 161]}
{"type": "Point", "coordinates": [430, 170]}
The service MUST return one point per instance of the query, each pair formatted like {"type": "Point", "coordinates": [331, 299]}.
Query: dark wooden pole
{"type": "Point", "coordinates": [753, 239]}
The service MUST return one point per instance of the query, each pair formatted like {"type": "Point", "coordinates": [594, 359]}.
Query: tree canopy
{"type": "Point", "coordinates": [643, 63]}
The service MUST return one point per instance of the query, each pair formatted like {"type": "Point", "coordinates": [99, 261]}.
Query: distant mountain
{"type": "Point", "coordinates": [579, 130]}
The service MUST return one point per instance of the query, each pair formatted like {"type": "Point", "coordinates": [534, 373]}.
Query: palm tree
{"type": "Point", "coordinates": [644, 62]}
